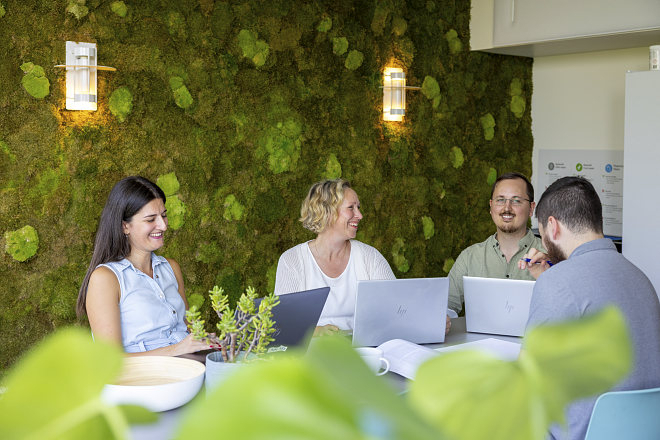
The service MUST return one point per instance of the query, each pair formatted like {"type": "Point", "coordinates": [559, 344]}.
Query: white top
{"type": "Point", "coordinates": [297, 270]}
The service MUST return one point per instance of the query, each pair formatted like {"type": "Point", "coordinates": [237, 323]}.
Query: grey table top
{"type": "Point", "coordinates": [167, 424]}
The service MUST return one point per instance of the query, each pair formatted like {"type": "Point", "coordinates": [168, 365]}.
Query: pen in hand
{"type": "Point", "coordinates": [528, 260]}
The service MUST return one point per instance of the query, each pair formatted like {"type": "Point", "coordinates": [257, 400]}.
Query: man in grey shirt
{"type": "Point", "coordinates": [511, 206]}
{"type": "Point", "coordinates": [588, 275]}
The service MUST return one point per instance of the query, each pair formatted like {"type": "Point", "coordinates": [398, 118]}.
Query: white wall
{"type": "Point", "coordinates": [578, 100]}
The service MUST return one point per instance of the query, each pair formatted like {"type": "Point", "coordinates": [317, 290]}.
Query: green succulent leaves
{"type": "Point", "coordinates": [22, 244]}
{"type": "Point", "coordinates": [558, 364]}
{"type": "Point", "coordinates": [253, 48]}
{"type": "Point", "coordinates": [34, 81]}
{"type": "Point", "coordinates": [121, 103]}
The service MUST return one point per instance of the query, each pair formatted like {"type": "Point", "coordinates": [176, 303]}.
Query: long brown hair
{"type": "Point", "coordinates": [127, 197]}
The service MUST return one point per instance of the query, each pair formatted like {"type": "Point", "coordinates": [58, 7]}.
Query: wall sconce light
{"type": "Point", "coordinates": [81, 67]}
{"type": "Point", "coordinates": [394, 94]}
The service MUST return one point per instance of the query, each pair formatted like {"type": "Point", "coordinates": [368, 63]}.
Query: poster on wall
{"type": "Point", "coordinates": [603, 168]}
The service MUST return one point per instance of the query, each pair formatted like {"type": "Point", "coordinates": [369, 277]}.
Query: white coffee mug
{"type": "Point", "coordinates": [374, 359]}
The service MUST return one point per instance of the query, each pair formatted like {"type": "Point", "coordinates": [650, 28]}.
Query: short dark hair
{"type": "Point", "coordinates": [574, 202]}
{"type": "Point", "coordinates": [127, 197]}
{"type": "Point", "coordinates": [511, 176]}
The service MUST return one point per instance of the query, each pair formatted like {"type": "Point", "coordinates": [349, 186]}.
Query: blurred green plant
{"type": "Point", "coordinates": [398, 250]}
{"type": "Point", "coordinates": [519, 400]}
{"type": "Point", "coordinates": [54, 392]}
{"type": "Point", "coordinates": [330, 393]}
{"type": "Point", "coordinates": [332, 167]}
{"type": "Point", "coordinates": [2, 10]}
{"type": "Point", "coordinates": [245, 329]}
{"type": "Point", "coordinates": [168, 183]}
{"type": "Point", "coordinates": [22, 244]}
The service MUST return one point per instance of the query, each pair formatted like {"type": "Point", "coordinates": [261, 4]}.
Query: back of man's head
{"type": "Point", "coordinates": [574, 202]}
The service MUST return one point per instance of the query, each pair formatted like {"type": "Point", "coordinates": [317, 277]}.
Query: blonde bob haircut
{"type": "Point", "coordinates": [321, 206]}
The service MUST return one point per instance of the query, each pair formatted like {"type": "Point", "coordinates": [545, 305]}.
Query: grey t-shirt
{"type": "Point", "coordinates": [595, 276]}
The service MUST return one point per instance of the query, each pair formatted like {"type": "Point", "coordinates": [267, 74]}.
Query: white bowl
{"type": "Point", "coordinates": [158, 383]}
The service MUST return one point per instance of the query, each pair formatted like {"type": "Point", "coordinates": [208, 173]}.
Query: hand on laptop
{"type": "Point", "coordinates": [535, 261]}
{"type": "Point", "coordinates": [448, 325]}
{"type": "Point", "coordinates": [325, 330]}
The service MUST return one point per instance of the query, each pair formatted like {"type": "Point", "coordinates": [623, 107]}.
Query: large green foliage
{"type": "Point", "coordinates": [259, 115]}
{"type": "Point", "coordinates": [330, 393]}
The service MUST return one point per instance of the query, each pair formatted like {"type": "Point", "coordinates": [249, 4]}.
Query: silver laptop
{"type": "Point", "coordinates": [413, 309]}
{"type": "Point", "coordinates": [497, 306]}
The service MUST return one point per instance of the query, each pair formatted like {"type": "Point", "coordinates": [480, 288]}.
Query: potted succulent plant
{"type": "Point", "coordinates": [242, 333]}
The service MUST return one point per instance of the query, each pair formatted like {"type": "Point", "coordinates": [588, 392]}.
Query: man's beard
{"type": "Point", "coordinates": [509, 228]}
{"type": "Point", "coordinates": [555, 255]}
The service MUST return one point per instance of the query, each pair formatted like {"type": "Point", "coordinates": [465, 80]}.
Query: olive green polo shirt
{"type": "Point", "coordinates": [486, 260]}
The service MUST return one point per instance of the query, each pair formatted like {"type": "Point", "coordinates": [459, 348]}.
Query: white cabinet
{"type": "Point", "coordinates": [641, 158]}
{"type": "Point", "coordinates": [553, 27]}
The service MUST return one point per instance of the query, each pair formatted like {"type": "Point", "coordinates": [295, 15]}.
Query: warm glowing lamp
{"type": "Point", "coordinates": [394, 94]}
{"type": "Point", "coordinates": [81, 67]}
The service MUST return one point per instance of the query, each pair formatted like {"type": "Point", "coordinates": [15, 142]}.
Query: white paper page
{"type": "Point", "coordinates": [505, 350]}
{"type": "Point", "coordinates": [405, 357]}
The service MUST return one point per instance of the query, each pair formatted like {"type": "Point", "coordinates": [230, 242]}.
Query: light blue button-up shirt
{"type": "Point", "coordinates": [151, 309]}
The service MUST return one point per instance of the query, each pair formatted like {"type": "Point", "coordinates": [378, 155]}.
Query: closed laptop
{"type": "Point", "coordinates": [412, 309]}
{"type": "Point", "coordinates": [497, 306]}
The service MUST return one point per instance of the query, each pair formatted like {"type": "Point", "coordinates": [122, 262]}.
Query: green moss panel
{"type": "Point", "coordinates": [235, 108]}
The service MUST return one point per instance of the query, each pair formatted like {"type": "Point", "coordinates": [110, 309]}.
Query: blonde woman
{"type": "Point", "coordinates": [334, 258]}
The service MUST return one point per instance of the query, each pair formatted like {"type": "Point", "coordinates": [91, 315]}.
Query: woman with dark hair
{"type": "Point", "coordinates": [130, 295]}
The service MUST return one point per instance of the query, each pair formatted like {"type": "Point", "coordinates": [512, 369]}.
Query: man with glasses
{"type": "Point", "coordinates": [511, 206]}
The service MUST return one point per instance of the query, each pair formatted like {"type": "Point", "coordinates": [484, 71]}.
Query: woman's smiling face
{"type": "Point", "coordinates": [146, 228]}
{"type": "Point", "coordinates": [348, 216]}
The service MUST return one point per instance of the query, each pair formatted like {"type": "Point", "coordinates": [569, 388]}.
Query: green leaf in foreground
{"type": "Point", "coordinates": [54, 391]}
{"type": "Point", "coordinates": [327, 394]}
{"type": "Point", "coordinates": [518, 400]}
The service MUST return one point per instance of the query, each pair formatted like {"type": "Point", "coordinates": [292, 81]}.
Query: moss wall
{"type": "Point", "coordinates": [237, 107]}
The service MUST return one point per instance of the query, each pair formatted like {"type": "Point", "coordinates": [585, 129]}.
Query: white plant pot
{"type": "Point", "coordinates": [217, 371]}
